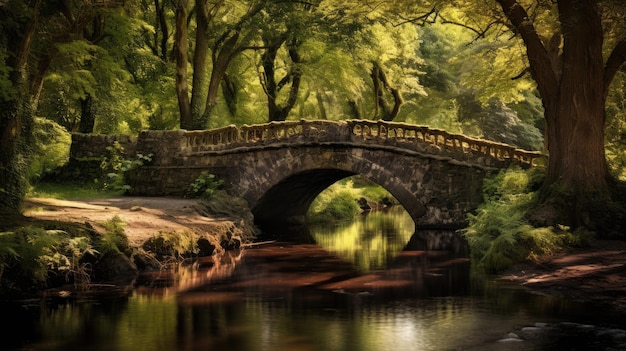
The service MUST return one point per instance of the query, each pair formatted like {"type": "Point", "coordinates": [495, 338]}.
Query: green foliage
{"type": "Point", "coordinates": [114, 240]}
{"type": "Point", "coordinates": [30, 256]}
{"type": "Point", "coordinates": [335, 204]}
{"type": "Point", "coordinates": [497, 122]}
{"type": "Point", "coordinates": [339, 201]}
{"type": "Point", "coordinates": [205, 186]}
{"type": "Point", "coordinates": [115, 166]}
{"type": "Point", "coordinates": [616, 127]}
{"type": "Point", "coordinates": [371, 191]}
{"type": "Point", "coordinates": [51, 147]}
{"type": "Point", "coordinates": [499, 234]}
{"type": "Point", "coordinates": [172, 245]}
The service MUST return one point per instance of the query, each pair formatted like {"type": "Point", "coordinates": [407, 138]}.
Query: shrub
{"type": "Point", "coordinates": [339, 205]}
{"type": "Point", "coordinates": [114, 239]}
{"type": "Point", "coordinates": [205, 186]}
{"type": "Point", "coordinates": [499, 234]}
{"type": "Point", "coordinates": [30, 256]}
{"type": "Point", "coordinates": [116, 165]}
{"type": "Point", "coordinates": [51, 147]}
{"type": "Point", "coordinates": [172, 245]}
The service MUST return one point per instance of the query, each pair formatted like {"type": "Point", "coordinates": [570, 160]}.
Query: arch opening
{"type": "Point", "coordinates": [288, 201]}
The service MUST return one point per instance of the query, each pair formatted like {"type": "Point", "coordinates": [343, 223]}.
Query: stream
{"type": "Point", "coordinates": [372, 284]}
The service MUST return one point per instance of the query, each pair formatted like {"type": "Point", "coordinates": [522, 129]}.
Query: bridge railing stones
{"type": "Point", "coordinates": [401, 136]}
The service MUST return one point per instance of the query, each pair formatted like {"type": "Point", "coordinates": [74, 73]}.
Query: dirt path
{"type": "Point", "coordinates": [144, 216]}
{"type": "Point", "coordinates": [596, 273]}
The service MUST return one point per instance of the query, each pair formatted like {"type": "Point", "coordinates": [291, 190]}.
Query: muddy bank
{"type": "Point", "coordinates": [596, 274]}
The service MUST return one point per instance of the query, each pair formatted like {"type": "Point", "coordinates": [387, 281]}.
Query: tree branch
{"type": "Point", "coordinates": [613, 63]}
{"type": "Point", "coordinates": [423, 18]}
{"type": "Point", "coordinates": [538, 57]}
{"type": "Point", "coordinates": [480, 33]}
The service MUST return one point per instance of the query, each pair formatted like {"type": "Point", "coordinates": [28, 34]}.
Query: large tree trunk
{"type": "Point", "coordinates": [575, 121]}
{"type": "Point", "coordinates": [573, 88]}
{"type": "Point", "coordinates": [382, 85]}
{"type": "Point", "coordinates": [272, 87]}
{"type": "Point", "coordinates": [200, 62]}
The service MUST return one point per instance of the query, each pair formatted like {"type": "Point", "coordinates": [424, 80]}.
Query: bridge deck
{"type": "Point", "coordinates": [365, 133]}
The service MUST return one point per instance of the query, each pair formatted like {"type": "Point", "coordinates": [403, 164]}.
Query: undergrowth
{"type": "Point", "coordinates": [35, 258]}
{"type": "Point", "coordinates": [336, 203]}
{"type": "Point", "coordinates": [499, 234]}
{"type": "Point", "coordinates": [31, 256]}
{"type": "Point", "coordinates": [339, 201]}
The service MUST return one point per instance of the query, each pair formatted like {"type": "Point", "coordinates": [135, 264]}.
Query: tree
{"type": "Point", "coordinates": [224, 41]}
{"type": "Point", "coordinates": [284, 28]}
{"type": "Point", "coordinates": [16, 108]}
{"type": "Point", "coordinates": [573, 80]}
{"type": "Point", "coordinates": [182, 58]}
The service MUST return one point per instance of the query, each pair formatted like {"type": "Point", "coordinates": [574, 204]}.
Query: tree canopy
{"type": "Point", "coordinates": [539, 74]}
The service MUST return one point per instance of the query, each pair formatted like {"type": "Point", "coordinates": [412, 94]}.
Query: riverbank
{"type": "Point", "coordinates": [595, 274]}
{"type": "Point", "coordinates": [145, 217]}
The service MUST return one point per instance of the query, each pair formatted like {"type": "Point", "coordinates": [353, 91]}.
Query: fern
{"type": "Point", "coordinates": [499, 234]}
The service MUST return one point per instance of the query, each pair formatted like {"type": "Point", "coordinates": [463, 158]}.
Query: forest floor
{"type": "Point", "coordinates": [596, 273]}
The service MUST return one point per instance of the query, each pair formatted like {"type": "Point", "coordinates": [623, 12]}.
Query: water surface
{"type": "Point", "coordinates": [369, 285]}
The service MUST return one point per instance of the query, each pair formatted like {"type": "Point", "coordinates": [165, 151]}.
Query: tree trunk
{"type": "Point", "coordinates": [319, 96]}
{"type": "Point", "coordinates": [573, 90]}
{"type": "Point", "coordinates": [381, 85]}
{"type": "Point", "coordinates": [87, 117]}
{"type": "Point", "coordinates": [180, 48]}
{"type": "Point", "coordinates": [217, 75]}
{"type": "Point", "coordinates": [271, 87]}
{"type": "Point", "coordinates": [575, 119]}
{"type": "Point", "coordinates": [16, 114]}
{"type": "Point", "coordinates": [160, 46]}
{"type": "Point", "coordinates": [229, 90]}
{"type": "Point", "coordinates": [200, 62]}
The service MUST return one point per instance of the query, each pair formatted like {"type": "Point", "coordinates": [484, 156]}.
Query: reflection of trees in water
{"type": "Point", "coordinates": [185, 276]}
{"type": "Point", "coordinates": [371, 241]}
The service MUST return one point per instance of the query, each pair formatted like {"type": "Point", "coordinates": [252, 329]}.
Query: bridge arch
{"type": "Point", "coordinates": [287, 180]}
{"type": "Point", "coordinates": [289, 199]}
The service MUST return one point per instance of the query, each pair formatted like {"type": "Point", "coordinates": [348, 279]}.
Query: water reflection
{"type": "Point", "coordinates": [290, 296]}
{"type": "Point", "coordinates": [370, 242]}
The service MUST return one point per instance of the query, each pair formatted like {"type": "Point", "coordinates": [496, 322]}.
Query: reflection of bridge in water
{"type": "Point", "coordinates": [280, 167]}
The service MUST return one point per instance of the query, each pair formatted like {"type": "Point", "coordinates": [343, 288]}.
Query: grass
{"type": "Point", "coordinates": [68, 191]}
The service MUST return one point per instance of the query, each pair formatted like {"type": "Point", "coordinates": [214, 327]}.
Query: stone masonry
{"type": "Point", "coordinates": [279, 168]}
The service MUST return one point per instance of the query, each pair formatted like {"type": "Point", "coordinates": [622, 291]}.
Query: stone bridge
{"type": "Point", "coordinates": [280, 167]}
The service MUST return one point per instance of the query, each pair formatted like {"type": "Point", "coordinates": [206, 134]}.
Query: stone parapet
{"type": "Point", "coordinates": [86, 146]}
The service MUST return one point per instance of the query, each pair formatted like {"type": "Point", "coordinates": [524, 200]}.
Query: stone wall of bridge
{"type": "Point", "coordinates": [279, 168]}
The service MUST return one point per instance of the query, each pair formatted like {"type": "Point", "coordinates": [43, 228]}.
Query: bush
{"type": "Point", "coordinates": [116, 165]}
{"type": "Point", "coordinates": [31, 256]}
{"type": "Point", "coordinates": [172, 245]}
{"type": "Point", "coordinates": [338, 205]}
{"type": "Point", "coordinates": [205, 186]}
{"type": "Point", "coordinates": [499, 234]}
{"type": "Point", "coordinates": [114, 239]}
{"type": "Point", "coordinates": [51, 147]}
